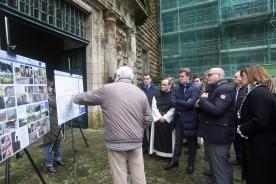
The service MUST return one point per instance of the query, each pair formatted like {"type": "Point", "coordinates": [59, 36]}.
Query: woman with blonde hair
{"type": "Point", "coordinates": [257, 127]}
{"type": "Point", "coordinates": [272, 87]}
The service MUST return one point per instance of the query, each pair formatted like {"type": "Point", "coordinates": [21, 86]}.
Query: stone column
{"type": "Point", "coordinates": [131, 50]}
{"type": "Point", "coordinates": [110, 53]}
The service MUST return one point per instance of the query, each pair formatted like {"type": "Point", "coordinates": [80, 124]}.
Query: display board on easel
{"type": "Point", "coordinates": [23, 103]}
{"type": "Point", "coordinates": [66, 85]}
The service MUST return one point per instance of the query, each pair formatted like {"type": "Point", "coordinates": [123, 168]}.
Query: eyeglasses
{"type": "Point", "coordinates": [182, 76]}
{"type": "Point", "coordinates": [210, 74]}
{"type": "Point", "coordinates": [164, 84]}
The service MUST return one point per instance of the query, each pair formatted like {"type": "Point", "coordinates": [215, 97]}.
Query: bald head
{"type": "Point", "coordinates": [215, 74]}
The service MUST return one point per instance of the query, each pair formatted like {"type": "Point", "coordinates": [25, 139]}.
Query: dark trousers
{"type": "Point", "coordinates": [145, 144]}
{"type": "Point", "coordinates": [178, 144]}
{"type": "Point", "coordinates": [237, 144]}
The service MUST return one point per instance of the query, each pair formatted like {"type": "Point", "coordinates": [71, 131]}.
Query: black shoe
{"type": "Point", "coordinates": [19, 155]}
{"type": "Point", "coordinates": [51, 169]}
{"type": "Point", "coordinates": [171, 165]}
{"type": "Point", "coordinates": [236, 163]}
{"type": "Point", "coordinates": [186, 152]}
{"type": "Point", "coordinates": [185, 144]}
{"type": "Point", "coordinates": [59, 162]}
{"type": "Point", "coordinates": [190, 169]}
{"type": "Point", "coordinates": [197, 146]}
{"type": "Point", "coordinates": [207, 173]}
{"type": "Point", "coordinates": [145, 151]}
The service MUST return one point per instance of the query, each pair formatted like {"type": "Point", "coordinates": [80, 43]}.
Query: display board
{"type": "Point", "coordinates": [66, 86]}
{"type": "Point", "coordinates": [23, 103]}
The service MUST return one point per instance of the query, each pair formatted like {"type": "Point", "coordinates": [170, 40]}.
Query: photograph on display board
{"type": "Point", "coordinates": [2, 129]}
{"type": "Point", "coordinates": [11, 114]}
{"type": "Point", "coordinates": [30, 92]}
{"type": "Point", "coordinates": [10, 102]}
{"type": "Point", "coordinates": [22, 99]}
{"type": "Point", "coordinates": [24, 80]}
{"type": "Point", "coordinates": [22, 121]}
{"type": "Point", "coordinates": [6, 78]}
{"type": "Point", "coordinates": [22, 70]}
{"type": "Point", "coordinates": [2, 100]}
{"type": "Point", "coordinates": [44, 110]}
{"type": "Point", "coordinates": [17, 72]}
{"type": "Point", "coordinates": [10, 126]}
{"type": "Point", "coordinates": [39, 97]}
{"type": "Point", "coordinates": [9, 91]}
{"type": "Point", "coordinates": [6, 67]}
{"type": "Point", "coordinates": [6, 73]}
{"type": "Point", "coordinates": [3, 116]}
{"type": "Point", "coordinates": [33, 113]}
{"type": "Point", "coordinates": [15, 141]}
{"type": "Point", "coordinates": [28, 71]}
{"type": "Point", "coordinates": [9, 96]}
{"type": "Point", "coordinates": [6, 146]}
{"type": "Point", "coordinates": [33, 133]}
{"type": "Point", "coordinates": [41, 73]}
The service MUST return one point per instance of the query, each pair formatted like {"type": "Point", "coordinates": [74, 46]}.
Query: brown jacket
{"type": "Point", "coordinates": [125, 108]}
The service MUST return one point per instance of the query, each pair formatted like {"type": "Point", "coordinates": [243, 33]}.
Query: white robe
{"type": "Point", "coordinates": [168, 117]}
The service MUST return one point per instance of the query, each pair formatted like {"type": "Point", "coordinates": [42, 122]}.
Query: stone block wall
{"type": "Point", "coordinates": [148, 39]}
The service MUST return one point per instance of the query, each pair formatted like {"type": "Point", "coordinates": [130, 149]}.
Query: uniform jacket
{"type": "Point", "coordinates": [149, 92]}
{"type": "Point", "coordinates": [125, 108]}
{"type": "Point", "coordinates": [184, 104]}
{"type": "Point", "coordinates": [217, 113]}
{"type": "Point", "coordinates": [258, 122]}
{"type": "Point", "coordinates": [54, 127]}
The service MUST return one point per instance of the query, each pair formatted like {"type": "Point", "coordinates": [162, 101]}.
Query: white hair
{"type": "Point", "coordinates": [125, 72]}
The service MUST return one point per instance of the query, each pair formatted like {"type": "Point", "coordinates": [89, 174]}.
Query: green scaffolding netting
{"type": "Point", "coordinates": [231, 34]}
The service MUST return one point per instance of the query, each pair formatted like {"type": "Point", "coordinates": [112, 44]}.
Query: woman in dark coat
{"type": "Point", "coordinates": [50, 137]}
{"type": "Point", "coordinates": [257, 128]}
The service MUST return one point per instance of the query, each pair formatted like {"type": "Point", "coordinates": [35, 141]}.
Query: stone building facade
{"type": "Point", "coordinates": [121, 33]}
{"type": "Point", "coordinates": [117, 33]}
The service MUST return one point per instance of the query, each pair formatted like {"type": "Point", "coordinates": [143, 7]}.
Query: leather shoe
{"type": "Point", "coordinates": [236, 163]}
{"type": "Point", "coordinates": [59, 162]}
{"type": "Point", "coordinates": [51, 169]}
{"type": "Point", "coordinates": [145, 151]}
{"type": "Point", "coordinates": [171, 165]}
{"type": "Point", "coordinates": [207, 173]}
{"type": "Point", "coordinates": [190, 169]}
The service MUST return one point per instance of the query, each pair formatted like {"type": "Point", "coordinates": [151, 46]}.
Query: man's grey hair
{"type": "Point", "coordinates": [125, 72]}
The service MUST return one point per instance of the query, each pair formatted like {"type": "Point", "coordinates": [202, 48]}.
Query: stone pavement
{"type": "Point", "coordinates": [91, 165]}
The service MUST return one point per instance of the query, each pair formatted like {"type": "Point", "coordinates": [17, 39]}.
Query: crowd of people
{"type": "Point", "coordinates": [151, 120]}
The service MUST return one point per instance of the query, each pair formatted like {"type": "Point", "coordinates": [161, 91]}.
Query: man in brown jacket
{"type": "Point", "coordinates": [127, 113]}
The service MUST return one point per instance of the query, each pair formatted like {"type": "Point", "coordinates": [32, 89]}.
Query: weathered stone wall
{"type": "Point", "coordinates": [148, 39]}
{"type": "Point", "coordinates": [115, 40]}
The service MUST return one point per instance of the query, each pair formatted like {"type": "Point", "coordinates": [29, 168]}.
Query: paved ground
{"type": "Point", "coordinates": [91, 165]}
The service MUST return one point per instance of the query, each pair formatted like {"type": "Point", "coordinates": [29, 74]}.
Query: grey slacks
{"type": "Point", "coordinates": [218, 157]}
